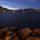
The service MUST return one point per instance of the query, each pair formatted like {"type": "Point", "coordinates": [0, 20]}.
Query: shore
{"type": "Point", "coordinates": [22, 34]}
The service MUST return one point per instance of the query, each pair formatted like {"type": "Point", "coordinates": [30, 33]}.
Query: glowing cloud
{"type": "Point", "coordinates": [8, 7]}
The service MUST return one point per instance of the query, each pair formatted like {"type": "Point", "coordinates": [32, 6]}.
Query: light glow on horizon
{"type": "Point", "coordinates": [8, 7]}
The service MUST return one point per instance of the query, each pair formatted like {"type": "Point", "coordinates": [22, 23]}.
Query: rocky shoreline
{"type": "Point", "coordinates": [21, 34]}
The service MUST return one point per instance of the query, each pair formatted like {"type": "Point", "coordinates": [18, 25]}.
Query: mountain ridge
{"type": "Point", "coordinates": [19, 10]}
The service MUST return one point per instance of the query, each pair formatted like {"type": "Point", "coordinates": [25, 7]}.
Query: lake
{"type": "Point", "coordinates": [20, 20]}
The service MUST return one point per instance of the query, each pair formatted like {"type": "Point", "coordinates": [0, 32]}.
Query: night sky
{"type": "Point", "coordinates": [20, 4]}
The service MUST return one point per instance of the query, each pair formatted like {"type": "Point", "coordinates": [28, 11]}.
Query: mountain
{"type": "Point", "coordinates": [29, 10]}
{"type": "Point", "coordinates": [4, 9]}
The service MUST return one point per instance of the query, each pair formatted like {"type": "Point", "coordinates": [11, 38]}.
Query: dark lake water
{"type": "Point", "coordinates": [20, 19]}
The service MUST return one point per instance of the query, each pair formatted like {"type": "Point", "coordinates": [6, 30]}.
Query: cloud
{"type": "Point", "coordinates": [8, 7]}
{"type": "Point", "coordinates": [34, 1]}
{"type": "Point", "coordinates": [21, 0]}
{"type": "Point", "coordinates": [37, 0]}
{"type": "Point", "coordinates": [16, 4]}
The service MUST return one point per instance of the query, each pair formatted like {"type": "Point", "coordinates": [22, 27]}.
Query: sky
{"type": "Point", "coordinates": [20, 4]}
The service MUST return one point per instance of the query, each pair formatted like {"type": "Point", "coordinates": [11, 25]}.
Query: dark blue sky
{"type": "Point", "coordinates": [20, 4]}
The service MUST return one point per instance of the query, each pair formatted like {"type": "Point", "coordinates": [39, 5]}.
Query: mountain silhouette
{"type": "Point", "coordinates": [30, 10]}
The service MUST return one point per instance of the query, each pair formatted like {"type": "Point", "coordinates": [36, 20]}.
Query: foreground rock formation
{"type": "Point", "coordinates": [20, 34]}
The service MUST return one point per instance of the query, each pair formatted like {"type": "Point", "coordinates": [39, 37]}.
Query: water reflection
{"type": "Point", "coordinates": [19, 19]}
